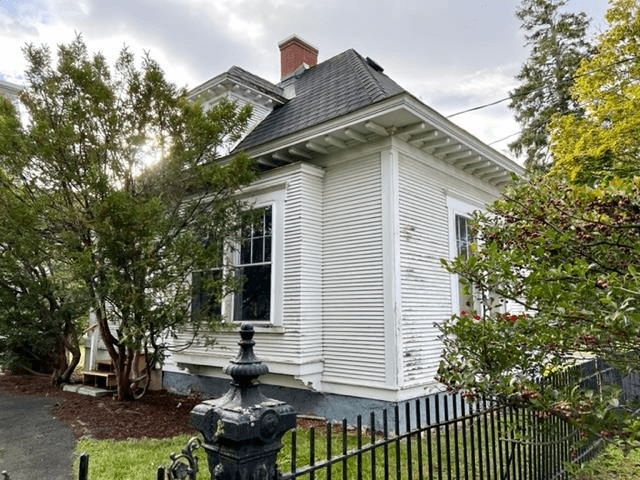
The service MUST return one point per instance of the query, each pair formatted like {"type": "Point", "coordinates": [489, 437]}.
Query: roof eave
{"type": "Point", "coordinates": [442, 123]}
{"type": "Point", "coordinates": [402, 115]}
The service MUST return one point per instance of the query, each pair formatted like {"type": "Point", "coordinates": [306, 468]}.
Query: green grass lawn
{"type": "Point", "coordinates": [139, 459]}
{"type": "Point", "coordinates": [131, 459]}
{"type": "Point", "coordinates": [611, 464]}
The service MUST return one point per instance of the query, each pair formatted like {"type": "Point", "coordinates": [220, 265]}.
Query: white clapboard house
{"type": "Point", "coordinates": [364, 189]}
{"type": "Point", "coordinates": [10, 91]}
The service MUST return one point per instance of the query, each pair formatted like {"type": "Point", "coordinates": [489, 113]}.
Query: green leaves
{"type": "Point", "coordinates": [120, 175]}
{"type": "Point", "coordinates": [43, 308]}
{"type": "Point", "coordinates": [567, 255]}
{"type": "Point", "coordinates": [558, 44]}
{"type": "Point", "coordinates": [604, 142]}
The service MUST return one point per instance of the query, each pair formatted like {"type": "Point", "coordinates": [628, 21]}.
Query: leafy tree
{"type": "Point", "coordinates": [130, 234]}
{"type": "Point", "coordinates": [605, 141]}
{"type": "Point", "coordinates": [42, 310]}
{"type": "Point", "coordinates": [565, 248]}
{"type": "Point", "coordinates": [566, 255]}
{"type": "Point", "coordinates": [558, 43]}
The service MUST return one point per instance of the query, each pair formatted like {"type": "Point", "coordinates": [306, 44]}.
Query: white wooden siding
{"type": "Point", "coordinates": [298, 340]}
{"type": "Point", "coordinates": [354, 343]}
{"type": "Point", "coordinates": [334, 280]}
{"type": "Point", "coordinates": [424, 240]}
{"type": "Point", "coordinates": [258, 113]}
{"type": "Point", "coordinates": [302, 282]}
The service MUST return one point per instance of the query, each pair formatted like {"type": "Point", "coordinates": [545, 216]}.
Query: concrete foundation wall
{"type": "Point", "coordinates": [308, 402]}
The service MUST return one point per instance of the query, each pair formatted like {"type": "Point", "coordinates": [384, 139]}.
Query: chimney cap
{"type": "Point", "coordinates": [295, 36]}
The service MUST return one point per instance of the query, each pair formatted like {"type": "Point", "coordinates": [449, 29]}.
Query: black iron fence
{"type": "Point", "coordinates": [443, 438]}
{"type": "Point", "coordinates": [439, 437]}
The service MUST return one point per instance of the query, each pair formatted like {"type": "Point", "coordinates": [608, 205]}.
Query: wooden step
{"type": "Point", "coordinates": [98, 378]}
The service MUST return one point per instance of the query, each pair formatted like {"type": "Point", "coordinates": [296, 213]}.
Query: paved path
{"type": "Point", "coordinates": [33, 444]}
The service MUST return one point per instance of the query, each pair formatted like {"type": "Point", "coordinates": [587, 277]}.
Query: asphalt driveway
{"type": "Point", "coordinates": [33, 444]}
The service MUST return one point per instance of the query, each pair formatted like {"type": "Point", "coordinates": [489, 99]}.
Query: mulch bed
{"type": "Point", "coordinates": [157, 415]}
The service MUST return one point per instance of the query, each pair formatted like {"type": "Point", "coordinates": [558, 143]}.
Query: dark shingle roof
{"type": "Point", "coordinates": [328, 90]}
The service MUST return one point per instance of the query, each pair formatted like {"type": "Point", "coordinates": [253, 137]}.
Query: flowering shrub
{"type": "Point", "coordinates": [567, 255]}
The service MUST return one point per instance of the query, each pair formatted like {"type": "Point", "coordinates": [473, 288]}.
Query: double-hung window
{"type": "Point", "coordinates": [463, 249]}
{"type": "Point", "coordinates": [206, 285]}
{"type": "Point", "coordinates": [255, 256]}
{"type": "Point", "coordinates": [463, 236]}
{"type": "Point", "coordinates": [460, 240]}
{"type": "Point", "coordinates": [252, 302]}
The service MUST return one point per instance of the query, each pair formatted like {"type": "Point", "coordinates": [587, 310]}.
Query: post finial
{"type": "Point", "coordinates": [246, 367]}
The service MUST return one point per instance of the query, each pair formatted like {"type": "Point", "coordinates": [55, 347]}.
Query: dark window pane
{"type": "Point", "coordinates": [462, 236]}
{"type": "Point", "coordinates": [258, 227]}
{"type": "Point", "coordinates": [267, 248]}
{"type": "Point", "coordinates": [267, 221]}
{"type": "Point", "coordinates": [254, 300]}
{"type": "Point", "coordinates": [196, 293]}
{"type": "Point", "coordinates": [257, 250]}
{"type": "Point", "coordinates": [204, 303]}
{"type": "Point", "coordinates": [245, 252]}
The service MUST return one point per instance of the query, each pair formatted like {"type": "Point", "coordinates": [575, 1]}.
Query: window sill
{"type": "Point", "coordinates": [264, 327]}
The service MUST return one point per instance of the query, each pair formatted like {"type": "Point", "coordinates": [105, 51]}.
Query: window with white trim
{"type": "Point", "coordinates": [464, 240]}
{"type": "Point", "coordinates": [252, 302]}
{"type": "Point", "coordinates": [460, 240]}
{"type": "Point", "coordinates": [207, 284]}
{"type": "Point", "coordinates": [204, 302]}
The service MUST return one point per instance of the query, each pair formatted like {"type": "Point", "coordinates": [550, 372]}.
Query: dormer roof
{"type": "Point", "coordinates": [8, 89]}
{"type": "Point", "coordinates": [246, 85]}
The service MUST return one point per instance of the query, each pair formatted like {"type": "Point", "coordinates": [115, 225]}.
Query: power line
{"type": "Point", "coordinates": [524, 94]}
{"type": "Point", "coordinates": [504, 138]}
{"type": "Point", "coordinates": [479, 107]}
{"type": "Point", "coordinates": [574, 77]}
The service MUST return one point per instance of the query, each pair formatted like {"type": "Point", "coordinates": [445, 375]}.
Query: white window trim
{"type": "Point", "coordinates": [274, 198]}
{"type": "Point", "coordinates": [457, 206]}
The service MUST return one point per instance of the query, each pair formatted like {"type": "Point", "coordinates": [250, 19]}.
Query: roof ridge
{"type": "Point", "coordinates": [371, 79]}
{"type": "Point", "coordinates": [367, 80]}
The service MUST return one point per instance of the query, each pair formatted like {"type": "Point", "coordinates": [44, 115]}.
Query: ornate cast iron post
{"type": "Point", "coordinates": [243, 429]}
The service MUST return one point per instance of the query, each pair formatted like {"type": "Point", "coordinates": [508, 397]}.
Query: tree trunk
{"type": "Point", "coordinates": [59, 362]}
{"type": "Point", "coordinates": [66, 342]}
{"type": "Point", "coordinates": [121, 356]}
{"type": "Point", "coordinates": [123, 373]}
{"type": "Point", "coordinates": [72, 345]}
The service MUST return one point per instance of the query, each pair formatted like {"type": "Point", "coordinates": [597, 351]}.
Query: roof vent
{"type": "Point", "coordinates": [374, 65]}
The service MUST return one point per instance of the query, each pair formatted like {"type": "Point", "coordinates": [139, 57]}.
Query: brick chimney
{"type": "Point", "coordinates": [295, 52]}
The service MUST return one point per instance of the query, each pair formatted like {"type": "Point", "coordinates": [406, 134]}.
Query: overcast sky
{"type": "Point", "coordinates": [452, 54]}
